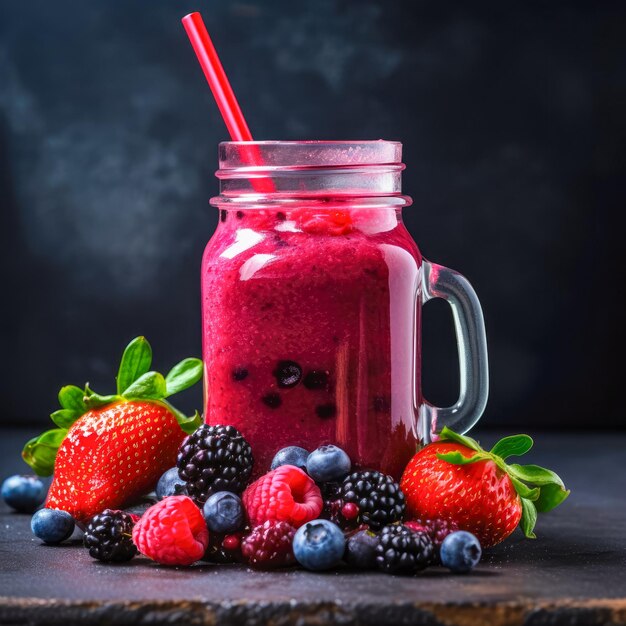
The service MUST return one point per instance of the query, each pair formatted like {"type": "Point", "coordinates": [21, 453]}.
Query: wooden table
{"type": "Point", "coordinates": [574, 573]}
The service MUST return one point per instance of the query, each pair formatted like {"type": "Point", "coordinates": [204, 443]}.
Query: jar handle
{"type": "Point", "coordinates": [441, 282]}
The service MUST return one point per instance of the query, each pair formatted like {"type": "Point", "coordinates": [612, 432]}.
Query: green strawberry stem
{"type": "Point", "coordinates": [135, 381]}
{"type": "Point", "coordinates": [540, 489]}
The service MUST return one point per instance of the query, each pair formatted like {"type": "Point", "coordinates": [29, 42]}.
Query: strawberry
{"type": "Point", "coordinates": [455, 479]}
{"type": "Point", "coordinates": [109, 450]}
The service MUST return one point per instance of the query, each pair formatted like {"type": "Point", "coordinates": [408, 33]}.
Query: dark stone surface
{"type": "Point", "coordinates": [513, 120]}
{"type": "Point", "coordinates": [572, 574]}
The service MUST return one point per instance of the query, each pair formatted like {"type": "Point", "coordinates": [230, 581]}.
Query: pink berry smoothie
{"type": "Point", "coordinates": [308, 317]}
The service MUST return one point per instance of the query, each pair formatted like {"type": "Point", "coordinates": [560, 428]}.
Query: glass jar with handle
{"type": "Point", "coordinates": [312, 290]}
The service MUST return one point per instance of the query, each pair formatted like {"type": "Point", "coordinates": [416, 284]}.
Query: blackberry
{"type": "Point", "coordinates": [377, 495]}
{"type": "Point", "coordinates": [332, 512]}
{"type": "Point", "coordinates": [437, 529]}
{"type": "Point", "coordinates": [109, 536]}
{"type": "Point", "coordinates": [331, 495]}
{"type": "Point", "coordinates": [330, 490]}
{"type": "Point", "coordinates": [334, 508]}
{"type": "Point", "coordinates": [212, 459]}
{"type": "Point", "coordinates": [403, 551]}
{"type": "Point", "coordinates": [343, 515]}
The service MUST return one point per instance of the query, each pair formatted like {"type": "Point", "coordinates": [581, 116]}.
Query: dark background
{"type": "Point", "coordinates": [513, 120]}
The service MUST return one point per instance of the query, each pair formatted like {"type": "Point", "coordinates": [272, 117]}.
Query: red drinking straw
{"type": "Point", "coordinates": [223, 93]}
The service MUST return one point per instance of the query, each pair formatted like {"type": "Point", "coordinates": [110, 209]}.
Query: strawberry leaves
{"type": "Point", "coordinates": [72, 398]}
{"type": "Point", "coordinates": [136, 361]}
{"type": "Point", "coordinates": [540, 489]}
{"type": "Point", "coordinates": [149, 386]}
{"type": "Point", "coordinates": [40, 452]}
{"type": "Point", "coordinates": [514, 445]}
{"type": "Point", "coordinates": [188, 424]}
{"type": "Point", "coordinates": [135, 381]}
{"type": "Point", "coordinates": [447, 434]}
{"type": "Point", "coordinates": [535, 474]}
{"type": "Point", "coordinates": [183, 375]}
{"type": "Point", "coordinates": [529, 518]}
{"type": "Point", "coordinates": [550, 497]}
{"type": "Point", "coordinates": [457, 458]}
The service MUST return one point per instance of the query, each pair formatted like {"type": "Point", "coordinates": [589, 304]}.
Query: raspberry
{"type": "Point", "coordinates": [285, 494]}
{"type": "Point", "coordinates": [269, 545]}
{"type": "Point", "coordinates": [172, 532]}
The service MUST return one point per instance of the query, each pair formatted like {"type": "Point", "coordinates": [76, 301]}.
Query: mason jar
{"type": "Point", "coordinates": [312, 290]}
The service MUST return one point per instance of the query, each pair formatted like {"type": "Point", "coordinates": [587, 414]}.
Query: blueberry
{"type": "Point", "coordinates": [23, 493]}
{"type": "Point", "coordinates": [460, 552]}
{"type": "Point", "coordinates": [316, 379]}
{"type": "Point", "coordinates": [52, 526]}
{"type": "Point", "coordinates": [319, 545]}
{"type": "Point", "coordinates": [223, 512]}
{"type": "Point", "coordinates": [288, 373]}
{"type": "Point", "coordinates": [293, 455]}
{"type": "Point", "coordinates": [361, 550]}
{"type": "Point", "coordinates": [326, 410]}
{"type": "Point", "coordinates": [240, 373]}
{"type": "Point", "coordinates": [170, 484]}
{"type": "Point", "coordinates": [280, 216]}
{"type": "Point", "coordinates": [223, 215]}
{"type": "Point", "coordinates": [273, 400]}
{"type": "Point", "coordinates": [328, 463]}
{"type": "Point", "coordinates": [239, 215]}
